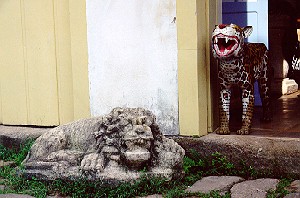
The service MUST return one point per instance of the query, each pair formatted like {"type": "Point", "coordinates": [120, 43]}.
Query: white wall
{"type": "Point", "coordinates": [132, 48]}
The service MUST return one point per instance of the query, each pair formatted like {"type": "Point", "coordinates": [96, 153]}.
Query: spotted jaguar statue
{"type": "Point", "coordinates": [240, 64]}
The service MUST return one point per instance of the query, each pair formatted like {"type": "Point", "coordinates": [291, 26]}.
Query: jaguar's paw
{"type": "Point", "coordinates": [243, 131]}
{"type": "Point", "coordinates": [223, 131]}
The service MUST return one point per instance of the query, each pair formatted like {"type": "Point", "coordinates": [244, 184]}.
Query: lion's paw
{"type": "Point", "coordinates": [93, 162]}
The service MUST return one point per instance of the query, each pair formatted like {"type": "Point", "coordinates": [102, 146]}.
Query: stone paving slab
{"type": "Point", "coordinates": [293, 195]}
{"type": "Point", "coordinates": [253, 188]}
{"type": "Point", "coordinates": [214, 183]}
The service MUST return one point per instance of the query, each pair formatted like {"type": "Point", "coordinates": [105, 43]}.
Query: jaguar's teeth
{"type": "Point", "coordinates": [216, 39]}
{"type": "Point", "coordinates": [226, 39]}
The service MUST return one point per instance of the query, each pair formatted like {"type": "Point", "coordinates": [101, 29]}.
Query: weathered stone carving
{"type": "Point", "coordinates": [114, 147]}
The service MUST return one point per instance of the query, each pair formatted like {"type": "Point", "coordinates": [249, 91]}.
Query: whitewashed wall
{"type": "Point", "coordinates": [132, 49]}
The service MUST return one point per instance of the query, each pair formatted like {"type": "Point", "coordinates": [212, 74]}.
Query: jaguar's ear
{"type": "Point", "coordinates": [247, 31]}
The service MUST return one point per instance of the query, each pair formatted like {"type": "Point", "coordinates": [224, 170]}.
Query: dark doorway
{"type": "Point", "coordinates": [283, 15]}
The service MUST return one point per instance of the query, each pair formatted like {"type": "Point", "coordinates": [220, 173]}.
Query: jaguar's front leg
{"type": "Point", "coordinates": [224, 111]}
{"type": "Point", "coordinates": [248, 105]}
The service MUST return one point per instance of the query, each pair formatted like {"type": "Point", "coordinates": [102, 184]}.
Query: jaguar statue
{"type": "Point", "coordinates": [240, 64]}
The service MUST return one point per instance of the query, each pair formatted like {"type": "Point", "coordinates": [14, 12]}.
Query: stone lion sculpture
{"type": "Point", "coordinates": [114, 147]}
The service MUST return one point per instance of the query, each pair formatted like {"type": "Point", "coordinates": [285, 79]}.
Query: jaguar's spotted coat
{"type": "Point", "coordinates": [240, 64]}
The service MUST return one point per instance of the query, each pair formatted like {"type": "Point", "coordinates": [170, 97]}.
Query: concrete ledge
{"type": "Point", "coordinates": [13, 136]}
{"type": "Point", "coordinates": [278, 156]}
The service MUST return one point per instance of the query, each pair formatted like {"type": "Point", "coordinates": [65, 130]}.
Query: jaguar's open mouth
{"type": "Point", "coordinates": [225, 45]}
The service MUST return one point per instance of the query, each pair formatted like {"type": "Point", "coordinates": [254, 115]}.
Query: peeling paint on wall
{"type": "Point", "coordinates": [132, 49]}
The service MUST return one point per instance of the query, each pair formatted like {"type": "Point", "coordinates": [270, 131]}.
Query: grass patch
{"type": "Point", "coordinates": [280, 189]}
{"type": "Point", "coordinates": [12, 180]}
{"type": "Point", "coordinates": [14, 155]}
{"type": "Point", "coordinates": [217, 164]}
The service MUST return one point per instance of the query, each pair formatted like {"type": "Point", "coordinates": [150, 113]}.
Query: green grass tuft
{"type": "Point", "coordinates": [280, 190]}
{"type": "Point", "coordinates": [14, 155]}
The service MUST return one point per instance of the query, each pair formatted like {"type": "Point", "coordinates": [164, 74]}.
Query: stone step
{"type": "Point", "coordinates": [14, 136]}
{"type": "Point", "coordinates": [280, 155]}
